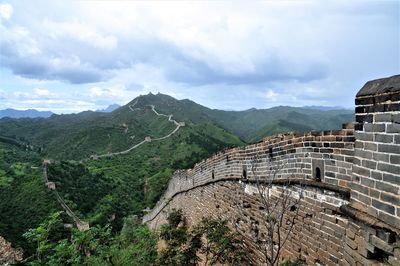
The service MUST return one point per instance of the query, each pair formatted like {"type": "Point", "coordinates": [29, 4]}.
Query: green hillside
{"type": "Point", "coordinates": [105, 189]}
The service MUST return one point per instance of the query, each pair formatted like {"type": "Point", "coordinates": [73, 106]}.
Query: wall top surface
{"type": "Point", "coordinates": [378, 86]}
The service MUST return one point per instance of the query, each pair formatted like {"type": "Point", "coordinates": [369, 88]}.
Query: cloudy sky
{"type": "Point", "coordinates": [69, 56]}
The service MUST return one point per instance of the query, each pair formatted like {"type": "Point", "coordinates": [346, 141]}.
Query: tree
{"type": "Point", "coordinates": [210, 242]}
{"type": "Point", "coordinates": [40, 236]}
{"type": "Point", "coordinates": [279, 204]}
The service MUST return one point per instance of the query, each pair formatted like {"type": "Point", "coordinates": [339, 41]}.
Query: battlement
{"type": "Point", "coordinates": [352, 179]}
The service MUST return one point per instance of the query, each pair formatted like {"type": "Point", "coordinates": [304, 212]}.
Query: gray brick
{"type": "Point", "coordinates": [370, 146]}
{"type": "Point", "coordinates": [374, 193]}
{"type": "Point", "coordinates": [359, 145]}
{"type": "Point", "coordinates": [364, 136]}
{"type": "Point", "coordinates": [390, 168]}
{"type": "Point", "coordinates": [367, 182]}
{"type": "Point", "coordinates": [395, 159]}
{"type": "Point", "coordinates": [395, 200]}
{"type": "Point", "coordinates": [397, 139]}
{"type": "Point", "coordinates": [381, 157]}
{"type": "Point", "coordinates": [392, 220]}
{"type": "Point", "coordinates": [359, 188]}
{"type": "Point", "coordinates": [393, 128]}
{"type": "Point", "coordinates": [376, 175]}
{"type": "Point", "coordinates": [361, 171]}
{"type": "Point", "coordinates": [390, 148]}
{"type": "Point", "coordinates": [396, 118]}
{"type": "Point", "coordinates": [374, 127]}
{"type": "Point", "coordinates": [386, 187]}
{"type": "Point", "coordinates": [363, 154]}
{"type": "Point", "coordinates": [369, 164]}
{"type": "Point", "coordinates": [383, 118]}
{"type": "Point", "coordinates": [384, 138]}
{"type": "Point", "coordinates": [394, 179]}
{"type": "Point", "coordinates": [364, 199]}
{"type": "Point", "coordinates": [383, 206]}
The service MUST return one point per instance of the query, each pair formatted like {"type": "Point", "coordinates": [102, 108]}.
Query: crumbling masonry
{"type": "Point", "coordinates": [350, 206]}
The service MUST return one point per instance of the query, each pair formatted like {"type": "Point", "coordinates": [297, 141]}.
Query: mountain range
{"type": "Point", "coordinates": [109, 165]}
{"type": "Point", "coordinates": [31, 113]}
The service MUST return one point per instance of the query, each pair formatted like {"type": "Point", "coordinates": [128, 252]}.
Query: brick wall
{"type": "Point", "coordinates": [376, 169]}
{"type": "Point", "coordinates": [359, 166]}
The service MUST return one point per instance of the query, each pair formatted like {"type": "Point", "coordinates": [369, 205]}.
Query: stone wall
{"type": "Point", "coordinates": [376, 182]}
{"type": "Point", "coordinates": [349, 212]}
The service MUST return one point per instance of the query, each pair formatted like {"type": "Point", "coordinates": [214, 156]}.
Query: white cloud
{"type": "Point", "coordinates": [6, 11]}
{"type": "Point", "coordinates": [40, 92]}
{"type": "Point", "coordinates": [75, 30]}
{"type": "Point", "coordinates": [116, 93]}
{"type": "Point", "coordinates": [271, 95]}
{"type": "Point", "coordinates": [303, 52]}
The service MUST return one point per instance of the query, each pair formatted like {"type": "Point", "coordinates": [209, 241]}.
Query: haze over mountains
{"type": "Point", "coordinates": [31, 113]}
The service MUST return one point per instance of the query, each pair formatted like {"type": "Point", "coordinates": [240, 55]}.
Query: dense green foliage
{"type": "Point", "coordinates": [55, 245]}
{"type": "Point", "coordinates": [24, 200]}
{"type": "Point", "coordinates": [210, 242]}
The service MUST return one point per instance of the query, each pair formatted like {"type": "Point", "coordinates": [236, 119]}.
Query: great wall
{"type": "Point", "coordinates": [350, 178]}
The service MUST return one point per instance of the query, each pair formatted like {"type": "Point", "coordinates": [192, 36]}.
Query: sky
{"type": "Point", "coordinates": [70, 56]}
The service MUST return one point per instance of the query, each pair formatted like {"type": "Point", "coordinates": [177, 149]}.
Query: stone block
{"type": "Point", "coordinates": [389, 148]}
{"type": "Point", "coordinates": [385, 138]}
{"type": "Point", "coordinates": [395, 159]}
{"type": "Point", "coordinates": [389, 168]}
{"type": "Point", "coordinates": [383, 117]}
{"type": "Point", "coordinates": [379, 243]}
{"type": "Point", "coordinates": [391, 178]}
{"type": "Point", "coordinates": [390, 198]}
{"type": "Point", "coordinates": [383, 206]}
{"type": "Point", "coordinates": [393, 128]}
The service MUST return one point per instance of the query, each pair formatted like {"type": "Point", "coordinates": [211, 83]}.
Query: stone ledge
{"type": "Point", "coordinates": [366, 219]}
{"type": "Point", "coordinates": [379, 86]}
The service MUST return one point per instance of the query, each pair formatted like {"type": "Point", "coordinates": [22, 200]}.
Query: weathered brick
{"type": "Point", "coordinates": [374, 127]}
{"type": "Point", "coordinates": [383, 117]}
{"type": "Point", "coordinates": [389, 148]}
{"type": "Point", "coordinates": [386, 187]}
{"type": "Point", "coordinates": [383, 206]}
{"type": "Point", "coordinates": [381, 157]}
{"type": "Point", "coordinates": [395, 200]}
{"type": "Point", "coordinates": [363, 154]}
{"type": "Point", "coordinates": [370, 146]}
{"type": "Point", "coordinates": [376, 175]}
{"type": "Point", "coordinates": [393, 128]}
{"type": "Point", "coordinates": [369, 164]}
{"type": "Point", "coordinates": [367, 182]}
{"type": "Point", "coordinates": [381, 244]}
{"type": "Point", "coordinates": [359, 188]}
{"type": "Point", "coordinates": [390, 168]}
{"type": "Point", "coordinates": [361, 171]}
{"type": "Point", "coordinates": [385, 138]}
{"type": "Point", "coordinates": [394, 159]}
{"type": "Point", "coordinates": [362, 136]}
{"type": "Point", "coordinates": [392, 220]}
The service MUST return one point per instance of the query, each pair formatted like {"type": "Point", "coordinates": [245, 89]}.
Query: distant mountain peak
{"type": "Point", "coordinates": [109, 108]}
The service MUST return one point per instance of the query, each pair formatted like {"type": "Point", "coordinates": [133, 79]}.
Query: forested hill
{"type": "Point", "coordinates": [76, 136]}
{"type": "Point", "coordinates": [253, 124]}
